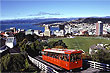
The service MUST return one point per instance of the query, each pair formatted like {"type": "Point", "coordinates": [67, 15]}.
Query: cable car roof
{"type": "Point", "coordinates": [63, 51]}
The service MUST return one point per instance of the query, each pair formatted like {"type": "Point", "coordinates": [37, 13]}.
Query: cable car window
{"type": "Point", "coordinates": [78, 56]}
{"type": "Point", "coordinates": [52, 55]}
{"type": "Point", "coordinates": [65, 57]}
{"type": "Point", "coordinates": [75, 57]}
{"type": "Point", "coordinates": [60, 56]}
{"type": "Point", "coordinates": [56, 55]}
{"type": "Point", "coordinates": [48, 54]}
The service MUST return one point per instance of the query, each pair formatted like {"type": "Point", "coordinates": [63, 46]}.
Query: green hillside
{"type": "Point", "coordinates": [81, 42]}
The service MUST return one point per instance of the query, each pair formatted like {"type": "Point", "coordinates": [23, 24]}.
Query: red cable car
{"type": "Point", "coordinates": [65, 58]}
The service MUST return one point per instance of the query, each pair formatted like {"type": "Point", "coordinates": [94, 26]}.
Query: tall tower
{"type": "Point", "coordinates": [99, 28]}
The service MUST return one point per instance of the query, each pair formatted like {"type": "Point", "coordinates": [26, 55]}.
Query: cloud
{"type": "Point", "coordinates": [44, 13]}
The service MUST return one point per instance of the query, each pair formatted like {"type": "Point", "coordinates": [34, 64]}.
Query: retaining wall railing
{"type": "Point", "coordinates": [100, 66]}
{"type": "Point", "coordinates": [42, 66]}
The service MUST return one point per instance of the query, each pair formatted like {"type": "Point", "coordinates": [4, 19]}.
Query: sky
{"type": "Point", "coordinates": [18, 9]}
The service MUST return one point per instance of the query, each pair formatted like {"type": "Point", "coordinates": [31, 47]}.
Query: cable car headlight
{"type": "Point", "coordinates": [76, 62]}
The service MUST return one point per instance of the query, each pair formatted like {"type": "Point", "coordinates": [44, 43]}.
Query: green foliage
{"type": "Point", "coordinates": [34, 48]}
{"type": "Point", "coordinates": [4, 62]}
{"type": "Point", "coordinates": [26, 63]}
{"type": "Point", "coordinates": [37, 42]}
{"type": "Point", "coordinates": [14, 63]}
{"type": "Point", "coordinates": [20, 36]}
{"type": "Point", "coordinates": [22, 45]}
{"type": "Point", "coordinates": [31, 38]}
{"type": "Point", "coordinates": [102, 56]}
{"type": "Point", "coordinates": [59, 43]}
{"type": "Point", "coordinates": [51, 44]}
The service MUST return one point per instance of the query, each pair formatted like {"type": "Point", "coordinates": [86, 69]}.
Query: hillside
{"type": "Point", "coordinates": [93, 20]}
{"type": "Point", "coordinates": [49, 22]}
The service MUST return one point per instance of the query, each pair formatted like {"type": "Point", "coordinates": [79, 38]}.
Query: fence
{"type": "Point", "coordinates": [100, 66]}
{"type": "Point", "coordinates": [42, 66]}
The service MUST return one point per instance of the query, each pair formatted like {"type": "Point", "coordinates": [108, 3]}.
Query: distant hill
{"type": "Point", "coordinates": [34, 21]}
{"type": "Point", "coordinates": [105, 19]}
{"type": "Point", "coordinates": [93, 20]}
{"type": "Point", "coordinates": [49, 22]}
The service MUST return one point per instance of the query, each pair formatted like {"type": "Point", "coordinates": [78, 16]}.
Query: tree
{"type": "Point", "coordinates": [102, 56]}
{"type": "Point", "coordinates": [60, 43]}
{"type": "Point", "coordinates": [23, 45]}
{"type": "Point", "coordinates": [14, 63]}
{"type": "Point", "coordinates": [31, 38]}
{"type": "Point", "coordinates": [34, 48]}
{"type": "Point", "coordinates": [61, 47]}
{"type": "Point", "coordinates": [43, 44]}
{"type": "Point", "coordinates": [26, 63]}
{"type": "Point", "coordinates": [20, 36]}
{"type": "Point", "coordinates": [57, 44]}
{"type": "Point", "coordinates": [37, 42]}
{"type": "Point", "coordinates": [51, 44]}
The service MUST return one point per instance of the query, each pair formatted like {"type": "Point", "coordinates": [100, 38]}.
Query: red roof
{"type": "Point", "coordinates": [2, 33]}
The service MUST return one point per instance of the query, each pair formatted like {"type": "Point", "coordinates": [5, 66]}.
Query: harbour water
{"type": "Point", "coordinates": [3, 27]}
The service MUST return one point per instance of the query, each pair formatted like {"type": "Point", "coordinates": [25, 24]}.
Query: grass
{"type": "Point", "coordinates": [81, 42]}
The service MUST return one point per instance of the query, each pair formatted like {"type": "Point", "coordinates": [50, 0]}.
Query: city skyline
{"type": "Point", "coordinates": [53, 9]}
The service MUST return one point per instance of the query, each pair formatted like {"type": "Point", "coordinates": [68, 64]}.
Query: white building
{"type": "Point", "coordinates": [22, 30]}
{"type": "Point", "coordinates": [13, 29]}
{"type": "Point", "coordinates": [19, 30]}
{"type": "Point", "coordinates": [30, 31]}
{"type": "Point", "coordinates": [41, 34]}
{"type": "Point", "coordinates": [59, 33]}
{"type": "Point", "coordinates": [68, 29]}
{"type": "Point", "coordinates": [37, 32]}
{"type": "Point", "coordinates": [10, 42]}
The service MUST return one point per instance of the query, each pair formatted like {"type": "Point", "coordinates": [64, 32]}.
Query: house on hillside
{"type": "Point", "coordinates": [37, 32]}
{"type": "Point", "coordinates": [68, 29]}
{"type": "Point", "coordinates": [10, 41]}
{"type": "Point", "coordinates": [59, 33]}
{"type": "Point", "coordinates": [30, 31]}
{"type": "Point", "coordinates": [94, 48]}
